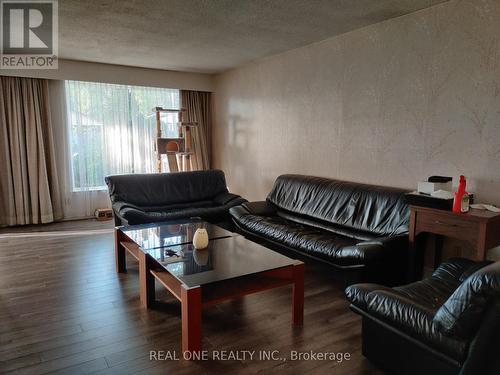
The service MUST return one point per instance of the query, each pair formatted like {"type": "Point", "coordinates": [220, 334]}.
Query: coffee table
{"type": "Point", "coordinates": [230, 268]}
{"type": "Point", "coordinates": [137, 239]}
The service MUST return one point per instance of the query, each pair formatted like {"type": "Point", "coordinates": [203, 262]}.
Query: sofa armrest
{"type": "Point", "coordinates": [119, 219]}
{"type": "Point", "coordinates": [120, 205]}
{"type": "Point", "coordinates": [225, 198]}
{"type": "Point", "coordinates": [483, 352]}
{"type": "Point", "coordinates": [462, 313]}
{"type": "Point", "coordinates": [260, 208]}
{"type": "Point", "coordinates": [133, 214]}
{"type": "Point", "coordinates": [358, 294]}
{"type": "Point", "coordinates": [237, 212]}
{"type": "Point", "coordinates": [392, 244]}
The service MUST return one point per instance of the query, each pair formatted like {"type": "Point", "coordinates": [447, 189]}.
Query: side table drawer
{"type": "Point", "coordinates": [447, 226]}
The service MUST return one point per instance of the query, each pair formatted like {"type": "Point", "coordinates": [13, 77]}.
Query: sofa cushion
{"type": "Point", "coordinates": [225, 198]}
{"type": "Point", "coordinates": [161, 189]}
{"type": "Point", "coordinates": [435, 290]}
{"type": "Point", "coordinates": [416, 320]}
{"type": "Point", "coordinates": [177, 206]}
{"type": "Point", "coordinates": [328, 227]}
{"type": "Point", "coordinates": [375, 209]}
{"type": "Point", "coordinates": [335, 248]}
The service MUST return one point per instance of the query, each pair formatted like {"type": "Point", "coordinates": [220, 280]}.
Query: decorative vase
{"type": "Point", "coordinates": [200, 239]}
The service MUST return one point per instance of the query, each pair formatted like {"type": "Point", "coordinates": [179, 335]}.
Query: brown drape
{"type": "Point", "coordinates": [29, 187]}
{"type": "Point", "coordinates": [199, 109]}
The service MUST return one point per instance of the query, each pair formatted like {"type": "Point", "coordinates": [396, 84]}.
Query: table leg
{"type": "Point", "coordinates": [191, 319]}
{"type": "Point", "coordinates": [438, 250]}
{"type": "Point", "coordinates": [412, 249]}
{"type": "Point", "coordinates": [481, 248]}
{"type": "Point", "coordinates": [412, 270]}
{"type": "Point", "coordinates": [417, 256]}
{"type": "Point", "coordinates": [146, 281]}
{"type": "Point", "coordinates": [298, 294]}
{"type": "Point", "coordinates": [119, 253]}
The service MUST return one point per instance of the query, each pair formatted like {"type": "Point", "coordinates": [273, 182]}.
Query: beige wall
{"type": "Point", "coordinates": [389, 104]}
{"type": "Point", "coordinates": [96, 72]}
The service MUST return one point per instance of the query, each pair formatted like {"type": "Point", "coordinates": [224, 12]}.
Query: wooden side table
{"type": "Point", "coordinates": [480, 228]}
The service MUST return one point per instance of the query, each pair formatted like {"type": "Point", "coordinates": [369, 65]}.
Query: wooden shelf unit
{"type": "Point", "coordinates": [177, 149]}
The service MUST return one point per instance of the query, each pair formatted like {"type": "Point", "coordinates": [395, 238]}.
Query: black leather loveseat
{"type": "Point", "coordinates": [147, 198]}
{"type": "Point", "coordinates": [360, 229]}
{"type": "Point", "coordinates": [446, 324]}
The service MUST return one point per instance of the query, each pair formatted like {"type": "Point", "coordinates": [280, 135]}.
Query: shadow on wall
{"type": "Point", "coordinates": [239, 134]}
{"type": "Point", "coordinates": [489, 190]}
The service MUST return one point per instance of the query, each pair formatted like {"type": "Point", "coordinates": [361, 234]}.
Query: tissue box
{"type": "Point", "coordinates": [425, 187]}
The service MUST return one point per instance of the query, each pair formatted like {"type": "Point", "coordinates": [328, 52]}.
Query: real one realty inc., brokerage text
{"type": "Point", "coordinates": [248, 355]}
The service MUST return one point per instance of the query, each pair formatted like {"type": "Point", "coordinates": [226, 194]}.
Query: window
{"type": "Point", "coordinates": [113, 129]}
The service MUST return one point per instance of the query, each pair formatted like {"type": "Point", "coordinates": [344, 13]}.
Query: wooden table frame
{"type": "Point", "coordinates": [193, 299]}
{"type": "Point", "coordinates": [478, 227]}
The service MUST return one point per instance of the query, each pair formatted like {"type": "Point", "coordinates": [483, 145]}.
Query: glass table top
{"type": "Point", "coordinates": [158, 235]}
{"type": "Point", "coordinates": [224, 259]}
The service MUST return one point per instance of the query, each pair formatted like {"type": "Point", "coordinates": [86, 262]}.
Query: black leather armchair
{"type": "Point", "coordinates": [359, 229]}
{"type": "Point", "coordinates": [155, 197]}
{"type": "Point", "coordinates": [446, 324]}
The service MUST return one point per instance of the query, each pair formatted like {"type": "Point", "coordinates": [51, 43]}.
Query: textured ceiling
{"type": "Point", "coordinates": [209, 35]}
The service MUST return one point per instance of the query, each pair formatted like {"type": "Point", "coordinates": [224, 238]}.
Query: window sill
{"type": "Point", "coordinates": [90, 189]}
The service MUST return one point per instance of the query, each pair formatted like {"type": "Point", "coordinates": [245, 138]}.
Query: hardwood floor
{"type": "Point", "coordinates": [64, 310]}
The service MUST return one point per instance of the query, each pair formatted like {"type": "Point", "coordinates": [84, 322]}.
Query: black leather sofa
{"type": "Point", "coordinates": [155, 197]}
{"type": "Point", "coordinates": [446, 324]}
{"type": "Point", "coordinates": [359, 229]}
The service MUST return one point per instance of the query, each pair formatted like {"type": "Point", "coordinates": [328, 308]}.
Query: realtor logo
{"type": "Point", "coordinates": [29, 34]}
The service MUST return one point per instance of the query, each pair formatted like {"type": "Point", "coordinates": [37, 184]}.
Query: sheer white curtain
{"type": "Point", "coordinates": [142, 101]}
{"type": "Point", "coordinates": [111, 129]}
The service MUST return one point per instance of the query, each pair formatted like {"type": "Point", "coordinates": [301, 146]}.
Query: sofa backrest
{"type": "Point", "coordinates": [157, 189]}
{"type": "Point", "coordinates": [375, 209]}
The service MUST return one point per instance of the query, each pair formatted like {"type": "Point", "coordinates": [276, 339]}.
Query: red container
{"type": "Point", "coordinates": [461, 200]}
